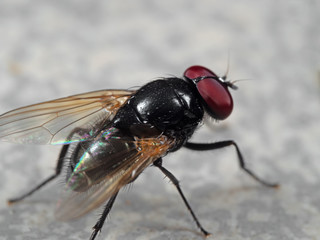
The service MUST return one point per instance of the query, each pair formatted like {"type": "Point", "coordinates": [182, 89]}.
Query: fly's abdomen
{"type": "Point", "coordinates": [96, 161]}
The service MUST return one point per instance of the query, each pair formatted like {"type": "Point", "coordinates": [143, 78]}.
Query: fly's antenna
{"type": "Point", "coordinates": [240, 80]}
{"type": "Point", "coordinates": [231, 83]}
{"type": "Point", "coordinates": [224, 77]}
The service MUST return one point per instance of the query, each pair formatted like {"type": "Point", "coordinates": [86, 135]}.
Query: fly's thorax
{"type": "Point", "coordinates": [170, 105]}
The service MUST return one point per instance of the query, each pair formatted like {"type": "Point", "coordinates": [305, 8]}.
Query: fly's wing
{"type": "Point", "coordinates": [121, 170]}
{"type": "Point", "coordinates": [53, 122]}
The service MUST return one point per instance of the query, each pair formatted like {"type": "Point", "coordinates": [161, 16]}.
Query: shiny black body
{"type": "Point", "coordinates": [172, 106]}
{"type": "Point", "coordinates": [167, 106]}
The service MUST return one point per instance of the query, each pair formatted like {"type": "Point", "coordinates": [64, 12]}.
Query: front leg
{"type": "Point", "coordinates": [222, 144]}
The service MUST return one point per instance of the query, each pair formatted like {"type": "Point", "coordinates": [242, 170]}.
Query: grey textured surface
{"type": "Point", "coordinates": [50, 49]}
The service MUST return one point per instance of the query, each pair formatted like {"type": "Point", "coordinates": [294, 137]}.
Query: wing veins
{"type": "Point", "coordinates": [79, 119]}
{"type": "Point", "coordinates": [50, 120]}
{"type": "Point", "coordinates": [53, 121]}
{"type": "Point", "coordinates": [46, 113]}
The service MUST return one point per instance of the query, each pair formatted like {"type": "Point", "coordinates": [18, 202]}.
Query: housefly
{"type": "Point", "coordinates": [109, 137]}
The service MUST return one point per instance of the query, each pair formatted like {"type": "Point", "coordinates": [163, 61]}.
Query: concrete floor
{"type": "Point", "coordinates": [51, 49]}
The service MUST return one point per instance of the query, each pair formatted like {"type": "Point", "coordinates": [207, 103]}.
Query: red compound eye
{"type": "Point", "coordinates": [213, 91]}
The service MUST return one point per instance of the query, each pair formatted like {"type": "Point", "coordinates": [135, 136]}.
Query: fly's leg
{"type": "Point", "coordinates": [59, 166]}
{"type": "Point", "coordinates": [222, 144]}
{"type": "Point", "coordinates": [57, 172]}
{"type": "Point", "coordinates": [174, 180]}
{"type": "Point", "coordinates": [97, 227]}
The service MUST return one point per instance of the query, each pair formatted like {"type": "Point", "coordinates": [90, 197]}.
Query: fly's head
{"type": "Point", "coordinates": [213, 90]}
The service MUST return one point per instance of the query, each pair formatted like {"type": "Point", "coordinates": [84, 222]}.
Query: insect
{"type": "Point", "coordinates": [109, 137]}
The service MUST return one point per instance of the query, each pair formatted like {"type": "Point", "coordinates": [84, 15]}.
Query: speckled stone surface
{"type": "Point", "coordinates": [51, 49]}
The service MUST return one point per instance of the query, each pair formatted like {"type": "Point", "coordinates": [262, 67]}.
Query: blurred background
{"type": "Point", "coordinates": [52, 49]}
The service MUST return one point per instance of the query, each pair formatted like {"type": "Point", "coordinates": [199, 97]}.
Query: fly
{"type": "Point", "coordinates": [116, 134]}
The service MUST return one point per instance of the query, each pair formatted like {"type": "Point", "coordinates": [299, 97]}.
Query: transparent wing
{"type": "Point", "coordinates": [106, 178]}
{"type": "Point", "coordinates": [53, 122]}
